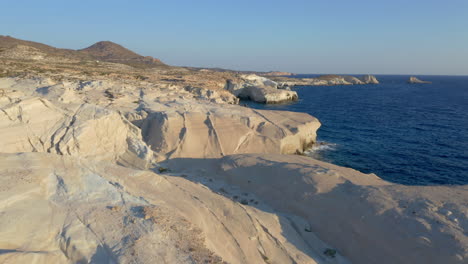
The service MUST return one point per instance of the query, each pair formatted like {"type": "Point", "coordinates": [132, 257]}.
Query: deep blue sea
{"type": "Point", "coordinates": [414, 134]}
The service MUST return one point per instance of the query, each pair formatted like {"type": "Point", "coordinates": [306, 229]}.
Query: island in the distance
{"type": "Point", "coordinates": [278, 89]}
{"type": "Point", "coordinates": [413, 79]}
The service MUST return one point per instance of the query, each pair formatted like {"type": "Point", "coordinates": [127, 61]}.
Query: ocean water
{"type": "Point", "coordinates": [414, 134]}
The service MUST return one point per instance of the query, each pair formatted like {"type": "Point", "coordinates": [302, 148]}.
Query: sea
{"type": "Point", "coordinates": [412, 134]}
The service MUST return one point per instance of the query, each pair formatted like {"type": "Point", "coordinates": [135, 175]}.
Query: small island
{"type": "Point", "coordinates": [413, 79]}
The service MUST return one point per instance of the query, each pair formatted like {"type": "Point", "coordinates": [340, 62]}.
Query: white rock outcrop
{"type": "Point", "coordinates": [260, 89]}
{"type": "Point", "coordinates": [65, 199]}
{"type": "Point", "coordinates": [207, 130]}
{"type": "Point", "coordinates": [365, 218]}
{"type": "Point", "coordinates": [213, 96]}
{"type": "Point", "coordinates": [62, 209]}
{"type": "Point", "coordinates": [180, 122]}
{"type": "Point", "coordinates": [36, 125]}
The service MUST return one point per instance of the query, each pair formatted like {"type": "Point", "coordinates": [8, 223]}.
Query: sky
{"type": "Point", "coordinates": [300, 36]}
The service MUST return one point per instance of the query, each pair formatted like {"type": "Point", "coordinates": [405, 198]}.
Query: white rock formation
{"type": "Point", "coordinates": [267, 95]}
{"type": "Point", "coordinates": [36, 125]}
{"type": "Point", "coordinates": [59, 209]}
{"type": "Point", "coordinates": [366, 219]}
{"type": "Point", "coordinates": [69, 201]}
{"type": "Point", "coordinates": [260, 89]}
{"type": "Point", "coordinates": [190, 122]}
{"type": "Point", "coordinates": [207, 130]}
{"type": "Point", "coordinates": [220, 96]}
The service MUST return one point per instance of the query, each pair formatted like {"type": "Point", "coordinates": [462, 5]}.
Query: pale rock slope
{"type": "Point", "coordinates": [365, 218]}
{"type": "Point", "coordinates": [65, 117]}
{"type": "Point", "coordinates": [67, 200]}
{"type": "Point", "coordinates": [59, 209]}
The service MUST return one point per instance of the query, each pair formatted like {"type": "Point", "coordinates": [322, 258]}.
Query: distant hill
{"type": "Point", "coordinates": [103, 51]}
{"type": "Point", "coordinates": [112, 52]}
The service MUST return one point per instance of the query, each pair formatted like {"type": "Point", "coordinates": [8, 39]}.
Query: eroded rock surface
{"type": "Point", "coordinates": [66, 200]}
{"type": "Point", "coordinates": [387, 223]}
{"type": "Point", "coordinates": [36, 125]}
{"type": "Point", "coordinates": [59, 209]}
{"type": "Point", "coordinates": [65, 118]}
{"type": "Point", "coordinates": [207, 130]}
{"type": "Point", "coordinates": [79, 141]}
{"type": "Point", "coordinates": [260, 89]}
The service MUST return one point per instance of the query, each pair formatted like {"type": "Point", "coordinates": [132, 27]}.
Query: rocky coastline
{"type": "Point", "coordinates": [110, 163]}
{"type": "Point", "coordinates": [260, 89]}
{"type": "Point", "coordinates": [325, 80]}
{"type": "Point", "coordinates": [277, 89]}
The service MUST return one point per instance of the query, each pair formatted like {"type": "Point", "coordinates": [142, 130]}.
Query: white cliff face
{"type": "Point", "coordinates": [260, 89]}
{"type": "Point", "coordinates": [267, 95]}
{"type": "Point", "coordinates": [206, 131]}
{"type": "Point", "coordinates": [258, 80]}
{"type": "Point", "coordinates": [36, 125]}
{"type": "Point", "coordinates": [94, 122]}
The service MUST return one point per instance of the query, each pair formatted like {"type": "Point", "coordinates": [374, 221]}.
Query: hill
{"type": "Point", "coordinates": [103, 51]}
{"type": "Point", "coordinates": [113, 52]}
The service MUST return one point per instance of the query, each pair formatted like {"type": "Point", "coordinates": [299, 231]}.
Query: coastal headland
{"type": "Point", "coordinates": [107, 156]}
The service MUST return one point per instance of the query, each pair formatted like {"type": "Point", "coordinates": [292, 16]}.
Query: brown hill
{"type": "Point", "coordinates": [103, 51]}
{"type": "Point", "coordinates": [112, 52]}
{"type": "Point", "coordinates": [109, 50]}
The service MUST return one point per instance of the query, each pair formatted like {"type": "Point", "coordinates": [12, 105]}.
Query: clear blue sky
{"type": "Point", "coordinates": [325, 36]}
